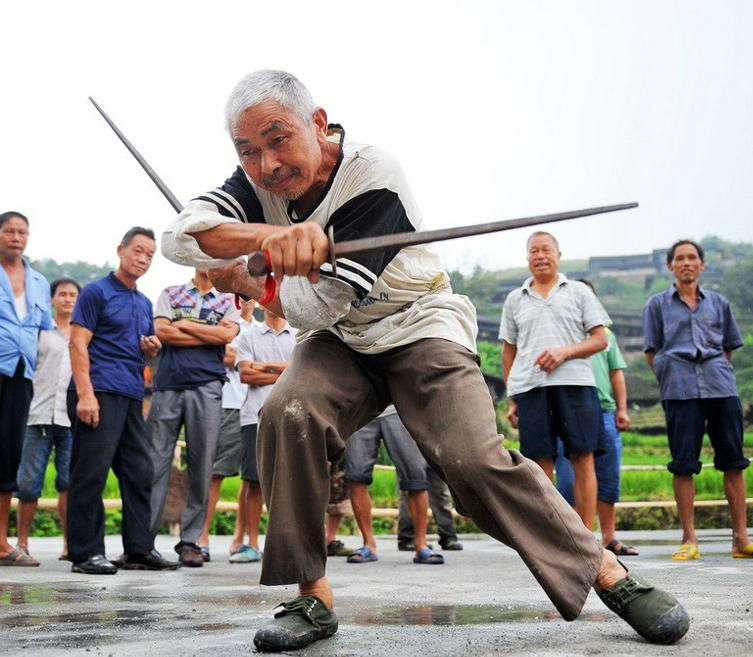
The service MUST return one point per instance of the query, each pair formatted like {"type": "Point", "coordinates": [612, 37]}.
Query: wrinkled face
{"type": "Point", "coordinates": [278, 150]}
{"type": "Point", "coordinates": [686, 264]}
{"type": "Point", "coordinates": [14, 235]}
{"type": "Point", "coordinates": [64, 298]}
{"type": "Point", "coordinates": [543, 256]}
{"type": "Point", "coordinates": [136, 258]}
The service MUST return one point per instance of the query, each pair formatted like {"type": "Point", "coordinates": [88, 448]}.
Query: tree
{"type": "Point", "coordinates": [82, 272]}
{"type": "Point", "coordinates": [737, 286]}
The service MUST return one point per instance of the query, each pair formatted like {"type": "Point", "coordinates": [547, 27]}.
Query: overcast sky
{"type": "Point", "coordinates": [496, 110]}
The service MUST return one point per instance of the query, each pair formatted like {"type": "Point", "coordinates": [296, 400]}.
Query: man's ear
{"type": "Point", "coordinates": [319, 118]}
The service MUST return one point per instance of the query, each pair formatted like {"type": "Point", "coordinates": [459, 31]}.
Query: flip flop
{"type": "Point", "coordinates": [205, 553]}
{"type": "Point", "coordinates": [425, 555]}
{"type": "Point", "coordinates": [745, 553]}
{"type": "Point", "coordinates": [362, 555]}
{"type": "Point", "coordinates": [623, 551]}
{"type": "Point", "coordinates": [17, 558]}
{"type": "Point", "coordinates": [686, 552]}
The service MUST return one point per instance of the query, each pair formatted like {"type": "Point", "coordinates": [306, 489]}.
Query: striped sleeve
{"type": "Point", "coordinates": [370, 214]}
{"type": "Point", "coordinates": [236, 199]}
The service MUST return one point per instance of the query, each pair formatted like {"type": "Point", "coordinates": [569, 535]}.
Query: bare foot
{"type": "Point", "coordinates": [320, 588]}
{"type": "Point", "coordinates": [610, 571]}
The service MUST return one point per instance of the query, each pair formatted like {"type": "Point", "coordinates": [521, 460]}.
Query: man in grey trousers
{"type": "Point", "coordinates": [191, 321]}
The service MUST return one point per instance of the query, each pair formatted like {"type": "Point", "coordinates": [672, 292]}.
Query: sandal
{"type": "Point", "coordinates": [686, 552]}
{"type": "Point", "coordinates": [623, 550]}
{"type": "Point", "coordinates": [745, 553]}
{"type": "Point", "coordinates": [17, 558]}
{"type": "Point", "coordinates": [362, 555]}
{"type": "Point", "coordinates": [425, 555]}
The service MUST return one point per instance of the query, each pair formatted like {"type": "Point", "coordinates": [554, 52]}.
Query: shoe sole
{"type": "Point", "coordinates": [276, 639]}
{"type": "Point", "coordinates": [141, 566]}
{"type": "Point", "coordinates": [75, 569]}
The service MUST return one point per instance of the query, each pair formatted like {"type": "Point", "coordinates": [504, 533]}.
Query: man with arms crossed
{"type": "Point", "coordinates": [24, 312]}
{"type": "Point", "coordinates": [112, 336]}
{"type": "Point", "coordinates": [550, 326]}
{"type": "Point", "coordinates": [387, 328]}
{"type": "Point", "coordinates": [49, 425]}
{"type": "Point", "coordinates": [689, 335]}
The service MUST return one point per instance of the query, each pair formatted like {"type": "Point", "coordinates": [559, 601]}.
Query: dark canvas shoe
{"type": "Point", "coordinates": [653, 613]}
{"type": "Point", "coordinates": [189, 555]}
{"type": "Point", "coordinates": [451, 544]}
{"type": "Point", "coordinates": [96, 565]}
{"type": "Point", "coordinates": [301, 622]}
{"type": "Point", "coordinates": [150, 561]}
{"type": "Point", "coordinates": [337, 549]}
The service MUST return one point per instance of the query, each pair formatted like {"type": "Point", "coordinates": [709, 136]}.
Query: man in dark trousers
{"type": "Point", "coordinates": [385, 327]}
{"type": "Point", "coordinates": [112, 335]}
{"type": "Point", "coordinates": [689, 335]}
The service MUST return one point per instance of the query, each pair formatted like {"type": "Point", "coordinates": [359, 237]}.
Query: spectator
{"type": "Point", "coordinates": [440, 503]}
{"type": "Point", "coordinates": [550, 326]}
{"type": "Point", "coordinates": [227, 460]}
{"type": "Point", "coordinates": [194, 322]}
{"type": "Point", "coordinates": [49, 426]}
{"type": "Point", "coordinates": [608, 366]}
{"type": "Point", "coordinates": [690, 334]}
{"type": "Point", "coordinates": [112, 336]}
{"type": "Point", "coordinates": [263, 354]}
{"type": "Point", "coordinates": [361, 453]}
{"type": "Point", "coordinates": [24, 312]}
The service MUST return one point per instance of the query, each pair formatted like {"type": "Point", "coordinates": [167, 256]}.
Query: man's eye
{"type": "Point", "coordinates": [278, 140]}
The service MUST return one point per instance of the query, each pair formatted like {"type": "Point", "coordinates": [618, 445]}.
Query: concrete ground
{"type": "Point", "coordinates": [483, 601]}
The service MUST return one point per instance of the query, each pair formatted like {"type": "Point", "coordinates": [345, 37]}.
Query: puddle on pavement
{"type": "Point", "coordinates": [460, 615]}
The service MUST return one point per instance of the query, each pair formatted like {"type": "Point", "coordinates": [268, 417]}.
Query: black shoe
{"type": "Point", "coordinates": [152, 560]}
{"type": "Point", "coordinates": [120, 561]}
{"type": "Point", "coordinates": [96, 565]}
{"type": "Point", "coordinates": [301, 622]}
{"type": "Point", "coordinates": [451, 544]}
{"type": "Point", "coordinates": [337, 549]}
{"type": "Point", "coordinates": [410, 546]}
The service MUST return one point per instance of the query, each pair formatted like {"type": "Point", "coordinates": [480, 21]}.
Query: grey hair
{"type": "Point", "coordinates": [542, 233]}
{"type": "Point", "coordinates": [260, 86]}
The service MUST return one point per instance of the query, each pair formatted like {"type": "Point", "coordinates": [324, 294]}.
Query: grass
{"type": "Point", "coordinates": [637, 486]}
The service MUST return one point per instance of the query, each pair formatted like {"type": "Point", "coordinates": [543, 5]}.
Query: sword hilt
{"type": "Point", "coordinates": [260, 264]}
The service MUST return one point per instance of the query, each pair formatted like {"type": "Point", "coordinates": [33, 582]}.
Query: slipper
{"type": "Point", "coordinates": [425, 555]}
{"type": "Point", "coordinates": [623, 551]}
{"type": "Point", "coordinates": [362, 555]}
{"type": "Point", "coordinates": [686, 552]}
{"type": "Point", "coordinates": [17, 558]}
{"type": "Point", "coordinates": [205, 553]}
{"type": "Point", "coordinates": [745, 553]}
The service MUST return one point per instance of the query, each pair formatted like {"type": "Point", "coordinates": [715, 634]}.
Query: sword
{"type": "Point", "coordinates": [259, 263]}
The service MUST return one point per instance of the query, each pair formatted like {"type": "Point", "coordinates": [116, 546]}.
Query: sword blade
{"type": "Point", "coordinates": [402, 240]}
{"type": "Point", "coordinates": [144, 165]}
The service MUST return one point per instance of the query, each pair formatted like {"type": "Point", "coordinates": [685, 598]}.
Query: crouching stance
{"type": "Point", "coordinates": [385, 328]}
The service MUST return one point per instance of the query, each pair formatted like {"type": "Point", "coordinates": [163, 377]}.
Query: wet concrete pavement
{"type": "Point", "coordinates": [483, 601]}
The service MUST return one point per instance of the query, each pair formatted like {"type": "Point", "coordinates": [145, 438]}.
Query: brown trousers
{"type": "Point", "coordinates": [329, 391]}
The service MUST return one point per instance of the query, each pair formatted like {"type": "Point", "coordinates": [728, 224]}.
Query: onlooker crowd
{"type": "Point", "coordinates": [217, 365]}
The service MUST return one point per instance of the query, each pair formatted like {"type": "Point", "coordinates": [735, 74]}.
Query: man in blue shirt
{"type": "Point", "coordinates": [111, 336]}
{"type": "Point", "coordinates": [690, 334]}
{"type": "Point", "coordinates": [24, 311]}
{"type": "Point", "coordinates": [192, 321]}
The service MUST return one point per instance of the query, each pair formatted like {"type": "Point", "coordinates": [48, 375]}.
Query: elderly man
{"type": "Point", "coordinates": [689, 335]}
{"type": "Point", "coordinates": [386, 328]}
{"type": "Point", "coordinates": [550, 326]}
{"type": "Point", "coordinates": [24, 311]}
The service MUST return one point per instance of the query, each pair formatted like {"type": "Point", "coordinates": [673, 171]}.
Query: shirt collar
{"type": "Point", "coordinates": [266, 328]}
{"type": "Point", "coordinates": [672, 291]}
{"type": "Point", "coordinates": [561, 280]}
{"type": "Point", "coordinates": [192, 286]}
